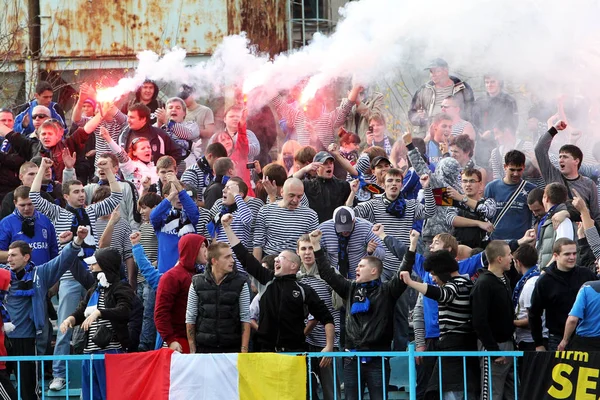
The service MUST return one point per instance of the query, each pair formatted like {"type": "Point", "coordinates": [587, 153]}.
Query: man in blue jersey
{"type": "Point", "coordinates": [30, 226]}
{"type": "Point", "coordinates": [513, 221]}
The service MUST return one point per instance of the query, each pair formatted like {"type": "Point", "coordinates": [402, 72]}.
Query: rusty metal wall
{"type": "Point", "coordinates": [263, 20]}
{"type": "Point", "coordinates": [14, 34]}
{"type": "Point", "coordinates": [120, 29]}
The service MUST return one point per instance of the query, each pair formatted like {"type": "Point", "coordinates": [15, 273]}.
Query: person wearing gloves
{"type": "Point", "coordinates": [103, 315]}
{"type": "Point", "coordinates": [26, 301]}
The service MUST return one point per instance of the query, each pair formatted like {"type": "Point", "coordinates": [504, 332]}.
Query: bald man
{"type": "Point", "coordinates": [279, 225]}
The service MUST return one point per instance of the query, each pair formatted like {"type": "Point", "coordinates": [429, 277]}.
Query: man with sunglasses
{"type": "Point", "coordinates": [42, 97]}
{"type": "Point", "coordinates": [39, 115]}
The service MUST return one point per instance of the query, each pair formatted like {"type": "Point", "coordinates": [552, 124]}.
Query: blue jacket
{"type": "Point", "coordinates": [468, 266]}
{"type": "Point", "coordinates": [43, 244]}
{"type": "Point", "coordinates": [28, 314]}
{"type": "Point", "coordinates": [147, 270]}
{"type": "Point", "coordinates": [168, 240]}
{"type": "Point", "coordinates": [56, 112]}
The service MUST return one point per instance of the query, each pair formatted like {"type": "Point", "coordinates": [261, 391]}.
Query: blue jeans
{"type": "Point", "coordinates": [98, 378]}
{"type": "Point", "coordinates": [148, 297]}
{"type": "Point", "coordinates": [70, 294]}
{"type": "Point", "coordinates": [371, 376]}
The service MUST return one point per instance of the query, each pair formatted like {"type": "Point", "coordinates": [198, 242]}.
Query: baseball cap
{"type": "Point", "coordinates": [343, 218]}
{"type": "Point", "coordinates": [322, 156]}
{"type": "Point", "coordinates": [437, 63]}
{"type": "Point", "coordinates": [379, 159]}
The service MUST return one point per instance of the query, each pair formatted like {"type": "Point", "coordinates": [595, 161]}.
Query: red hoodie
{"type": "Point", "coordinates": [173, 288]}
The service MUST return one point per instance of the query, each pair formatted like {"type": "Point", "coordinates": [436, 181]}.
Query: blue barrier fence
{"type": "Point", "coordinates": [409, 356]}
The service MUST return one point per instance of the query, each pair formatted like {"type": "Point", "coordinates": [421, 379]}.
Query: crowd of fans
{"type": "Point", "coordinates": [156, 229]}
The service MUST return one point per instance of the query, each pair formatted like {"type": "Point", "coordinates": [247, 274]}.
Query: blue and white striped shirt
{"type": "Point", "coordinates": [357, 245]}
{"type": "Point", "coordinates": [375, 212]}
{"type": "Point", "coordinates": [278, 229]}
{"type": "Point", "coordinates": [241, 224]}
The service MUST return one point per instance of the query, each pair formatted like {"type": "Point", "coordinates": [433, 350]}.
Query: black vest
{"type": "Point", "coordinates": [218, 323]}
{"type": "Point", "coordinates": [470, 236]}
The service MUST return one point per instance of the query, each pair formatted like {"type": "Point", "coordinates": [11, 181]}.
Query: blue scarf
{"type": "Point", "coordinates": [361, 303]}
{"type": "Point", "coordinates": [5, 146]}
{"type": "Point", "coordinates": [544, 219]}
{"type": "Point", "coordinates": [367, 186]}
{"type": "Point", "coordinates": [214, 226]}
{"type": "Point", "coordinates": [533, 271]}
{"type": "Point", "coordinates": [207, 170]}
{"type": "Point", "coordinates": [24, 286]}
{"type": "Point", "coordinates": [81, 218]}
{"type": "Point", "coordinates": [395, 207]}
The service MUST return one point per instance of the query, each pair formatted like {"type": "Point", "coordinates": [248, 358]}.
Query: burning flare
{"type": "Point", "coordinates": [109, 94]}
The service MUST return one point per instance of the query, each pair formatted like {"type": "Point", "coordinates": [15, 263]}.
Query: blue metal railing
{"type": "Point", "coordinates": [410, 355]}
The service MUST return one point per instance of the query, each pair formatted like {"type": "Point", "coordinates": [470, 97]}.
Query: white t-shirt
{"type": "Point", "coordinates": [522, 334]}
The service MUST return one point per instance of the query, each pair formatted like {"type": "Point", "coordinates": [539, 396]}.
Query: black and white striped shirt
{"type": "Point", "coordinates": [62, 219]}
{"type": "Point", "coordinates": [114, 127]}
{"type": "Point", "coordinates": [195, 177]}
{"type": "Point", "coordinates": [454, 305]}
{"type": "Point", "coordinates": [90, 346]}
{"type": "Point", "coordinates": [375, 211]}
{"type": "Point", "coordinates": [149, 242]}
{"type": "Point", "coordinates": [278, 229]}
{"type": "Point", "coordinates": [254, 204]}
{"type": "Point", "coordinates": [120, 236]}
{"type": "Point", "coordinates": [317, 337]}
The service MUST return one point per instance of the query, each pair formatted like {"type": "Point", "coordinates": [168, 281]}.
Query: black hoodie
{"type": "Point", "coordinates": [118, 300]}
{"type": "Point", "coordinates": [493, 311]}
{"type": "Point", "coordinates": [153, 105]}
{"type": "Point", "coordinates": [555, 291]}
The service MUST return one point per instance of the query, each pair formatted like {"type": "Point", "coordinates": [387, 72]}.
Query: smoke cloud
{"type": "Point", "coordinates": [552, 45]}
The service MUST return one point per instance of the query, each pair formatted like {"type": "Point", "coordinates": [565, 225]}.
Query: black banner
{"type": "Point", "coordinates": [561, 375]}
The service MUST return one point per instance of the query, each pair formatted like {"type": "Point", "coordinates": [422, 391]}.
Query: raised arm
{"type": "Point", "coordinates": [248, 261]}
{"type": "Point", "coordinates": [338, 283]}
{"type": "Point", "coordinates": [146, 268]}
{"type": "Point", "coordinates": [549, 171]}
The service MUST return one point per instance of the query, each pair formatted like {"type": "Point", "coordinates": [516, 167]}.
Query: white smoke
{"type": "Point", "coordinates": [550, 44]}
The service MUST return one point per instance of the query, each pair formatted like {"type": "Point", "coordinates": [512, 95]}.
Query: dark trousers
{"type": "Point", "coordinates": [29, 374]}
{"type": "Point", "coordinates": [371, 376]}
{"type": "Point", "coordinates": [7, 390]}
{"type": "Point", "coordinates": [328, 381]}
{"type": "Point", "coordinates": [553, 342]}
{"type": "Point", "coordinates": [425, 369]}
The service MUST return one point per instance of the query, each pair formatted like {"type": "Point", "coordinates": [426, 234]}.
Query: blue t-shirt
{"type": "Point", "coordinates": [44, 246]}
{"type": "Point", "coordinates": [587, 309]}
{"type": "Point", "coordinates": [433, 153]}
{"type": "Point", "coordinates": [518, 218]}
